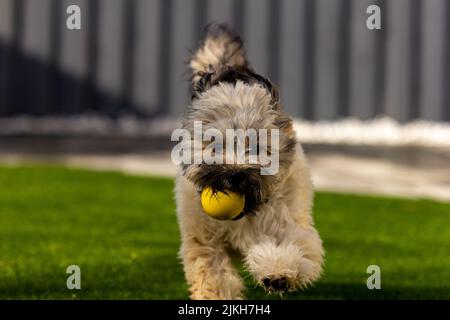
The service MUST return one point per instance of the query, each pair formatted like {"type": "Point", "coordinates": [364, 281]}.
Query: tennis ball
{"type": "Point", "coordinates": [222, 205]}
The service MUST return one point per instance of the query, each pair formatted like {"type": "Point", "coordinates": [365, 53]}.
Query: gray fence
{"type": "Point", "coordinates": [130, 55]}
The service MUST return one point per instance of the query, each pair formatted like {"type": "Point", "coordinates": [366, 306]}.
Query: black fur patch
{"type": "Point", "coordinates": [232, 75]}
{"type": "Point", "coordinates": [247, 182]}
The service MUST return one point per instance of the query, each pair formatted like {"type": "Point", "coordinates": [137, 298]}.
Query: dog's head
{"type": "Point", "coordinates": [241, 100]}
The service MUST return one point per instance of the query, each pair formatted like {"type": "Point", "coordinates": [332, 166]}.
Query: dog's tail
{"type": "Point", "coordinates": [220, 47]}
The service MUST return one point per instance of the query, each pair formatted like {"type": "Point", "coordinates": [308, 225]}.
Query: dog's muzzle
{"type": "Point", "coordinates": [247, 182]}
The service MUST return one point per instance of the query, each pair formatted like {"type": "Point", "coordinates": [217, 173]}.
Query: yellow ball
{"type": "Point", "coordinates": [222, 205]}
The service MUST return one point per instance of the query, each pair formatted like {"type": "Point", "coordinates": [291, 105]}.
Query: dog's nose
{"type": "Point", "coordinates": [236, 178]}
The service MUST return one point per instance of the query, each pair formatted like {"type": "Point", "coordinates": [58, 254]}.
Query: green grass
{"type": "Point", "coordinates": [122, 231]}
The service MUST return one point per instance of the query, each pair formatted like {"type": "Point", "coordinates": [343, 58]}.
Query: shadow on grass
{"type": "Point", "coordinates": [348, 291]}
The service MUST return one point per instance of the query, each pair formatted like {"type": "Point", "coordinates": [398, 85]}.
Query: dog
{"type": "Point", "coordinates": [274, 236]}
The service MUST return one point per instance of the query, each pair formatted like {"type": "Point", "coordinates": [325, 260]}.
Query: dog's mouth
{"type": "Point", "coordinates": [251, 204]}
{"type": "Point", "coordinates": [246, 182]}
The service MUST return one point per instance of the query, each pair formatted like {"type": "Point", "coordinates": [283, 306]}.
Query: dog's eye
{"type": "Point", "coordinates": [213, 148]}
{"type": "Point", "coordinates": [263, 149]}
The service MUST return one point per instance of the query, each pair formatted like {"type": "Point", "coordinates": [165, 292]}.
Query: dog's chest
{"type": "Point", "coordinates": [270, 221]}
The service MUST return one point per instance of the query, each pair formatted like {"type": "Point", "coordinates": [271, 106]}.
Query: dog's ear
{"type": "Point", "coordinates": [275, 96]}
{"type": "Point", "coordinates": [273, 90]}
{"type": "Point", "coordinates": [222, 73]}
{"type": "Point", "coordinates": [283, 121]}
{"type": "Point", "coordinates": [203, 83]}
{"type": "Point", "coordinates": [229, 74]}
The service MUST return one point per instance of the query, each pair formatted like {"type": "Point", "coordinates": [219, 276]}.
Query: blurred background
{"type": "Point", "coordinates": [129, 57]}
{"type": "Point", "coordinates": [371, 108]}
{"type": "Point", "coordinates": [123, 79]}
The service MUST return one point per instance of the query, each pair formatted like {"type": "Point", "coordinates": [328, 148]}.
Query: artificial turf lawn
{"type": "Point", "coordinates": [122, 231]}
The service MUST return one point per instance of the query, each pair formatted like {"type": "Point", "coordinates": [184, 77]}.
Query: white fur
{"type": "Point", "coordinates": [279, 241]}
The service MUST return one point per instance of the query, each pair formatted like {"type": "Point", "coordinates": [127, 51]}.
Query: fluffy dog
{"type": "Point", "coordinates": [275, 234]}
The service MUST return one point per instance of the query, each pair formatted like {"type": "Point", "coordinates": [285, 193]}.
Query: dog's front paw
{"type": "Point", "coordinates": [281, 268]}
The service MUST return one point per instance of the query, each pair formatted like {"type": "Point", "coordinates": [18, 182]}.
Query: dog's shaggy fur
{"type": "Point", "coordinates": [275, 235]}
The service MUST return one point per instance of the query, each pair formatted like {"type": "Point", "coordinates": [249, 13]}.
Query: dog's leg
{"type": "Point", "coordinates": [209, 271]}
{"type": "Point", "coordinates": [292, 257]}
{"type": "Point", "coordinates": [286, 264]}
